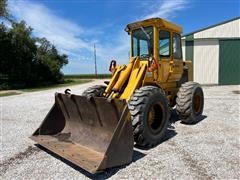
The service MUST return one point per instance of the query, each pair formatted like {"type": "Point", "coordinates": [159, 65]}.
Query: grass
{"type": "Point", "coordinates": [88, 76]}
{"type": "Point", "coordinates": [9, 94]}
{"type": "Point", "coordinates": [67, 82]}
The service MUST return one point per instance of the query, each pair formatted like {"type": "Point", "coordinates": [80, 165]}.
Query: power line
{"type": "Point", "coordinates": [95, 59]}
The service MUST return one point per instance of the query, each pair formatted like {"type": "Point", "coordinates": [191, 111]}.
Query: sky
{"type": "Point", "coordinates": [73, 26]}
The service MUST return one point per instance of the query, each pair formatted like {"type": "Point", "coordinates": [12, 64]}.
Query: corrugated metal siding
{"type": "Point", "coordinates": [206, 61]}
{"type": "Point", "coordinates": [183, 50]}
{"type": "Point", "coordinates": [230, 29]}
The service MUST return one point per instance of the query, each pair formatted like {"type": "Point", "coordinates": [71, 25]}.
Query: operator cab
{"type": "Point", "coordinates": [155, 38]}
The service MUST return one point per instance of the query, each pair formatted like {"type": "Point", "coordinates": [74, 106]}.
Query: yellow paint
{"type": "Point", "coordinates": [190, 70]}
{"type": "Point", "coordinates": [165, 74]}
{"type": "Point", "coordinates": [123, 76]}
{"type": "Point", "coordinates": [156, 22]}
{"type": "Point", "coordinates": [135, 79]}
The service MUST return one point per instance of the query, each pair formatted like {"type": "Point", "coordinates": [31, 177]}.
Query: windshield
{"type": "Point", "coordinates": [142, 42]}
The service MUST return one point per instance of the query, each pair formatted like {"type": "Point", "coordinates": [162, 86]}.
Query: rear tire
{"type": "Point", "coordinates": [94, 91]}
{"type": "Point", "coordinates": [190, 102]}
{"type": "Point", "coordinates": [150, 115]}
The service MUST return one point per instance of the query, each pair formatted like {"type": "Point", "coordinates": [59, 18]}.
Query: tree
{"type": "Point", "coordinates": [4, 11]}
{"type": "Point", "coordinates": [28, 60]}
{"type": "Point", "coordinates": [5, 46]}
{"type": "Point", "coordinates": [17, 52]}
{"type": "Point", "coordinates": [24, 50]}
{"type": "Point", "coordinates": [50, 61]}
{"type": "Point", "coordinates": [3, 8]}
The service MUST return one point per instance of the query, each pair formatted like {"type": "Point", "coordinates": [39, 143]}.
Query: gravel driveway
{"type": "Point", "coordinates": [209, 149]}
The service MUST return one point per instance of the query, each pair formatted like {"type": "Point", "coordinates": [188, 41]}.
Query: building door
{"type": "Point", "coordinates": [229, 62]}
{"type": "Point", "coordinates": [189, 50]}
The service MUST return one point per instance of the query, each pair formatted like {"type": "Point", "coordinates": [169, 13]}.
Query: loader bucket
{"type": "Point", "coordinates": [92, 133]}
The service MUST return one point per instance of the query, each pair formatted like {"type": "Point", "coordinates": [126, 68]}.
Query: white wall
{"type": "Point", "coordinates": [206, 61]}
{"type": "Point", "coordinates": [229, 30]}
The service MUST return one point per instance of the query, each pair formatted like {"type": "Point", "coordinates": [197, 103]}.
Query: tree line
{"type": "Point", "coordinates": [27, 60]}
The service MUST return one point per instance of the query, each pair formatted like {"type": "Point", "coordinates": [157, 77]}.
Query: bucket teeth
{"type": "Point", "coordinates": [94, 133]}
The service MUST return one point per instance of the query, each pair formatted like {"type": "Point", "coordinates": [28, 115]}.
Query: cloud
{"type": "Point", "coordinates": [64, 33]}
{"type": "Point", "coordinates": [117, 48]}
{"type": "Point", "coordinates": [71, 38]}
{"type": "Point", "coordinates": [165, 9]}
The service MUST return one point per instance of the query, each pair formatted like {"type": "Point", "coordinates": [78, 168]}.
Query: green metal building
{"type": "Point", "coordinates": [215, 52]}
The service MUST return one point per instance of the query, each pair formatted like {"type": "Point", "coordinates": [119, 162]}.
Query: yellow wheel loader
{"type": "Point", "coordinates": [97, 130]}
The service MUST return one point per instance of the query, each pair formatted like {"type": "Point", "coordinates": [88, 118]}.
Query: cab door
{"type": "Point", "coordinates": [176, 62]}
{"type": "Point", "coordinates": [170, 56]}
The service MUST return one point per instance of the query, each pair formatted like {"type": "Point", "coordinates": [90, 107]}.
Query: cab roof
{"type": "Point", "coordinates": [158, 22]}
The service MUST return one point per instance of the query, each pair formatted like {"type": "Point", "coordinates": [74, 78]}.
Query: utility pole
{"type": "Point", "coordinates": [95, 59]}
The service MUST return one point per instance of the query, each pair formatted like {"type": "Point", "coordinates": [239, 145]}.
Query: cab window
{"type": "Point", "coordinates": [142, 42]}
{"type": "Point", "coordinates": [164, 43]}
{"type": "Point", "coordinates": [177, 51]}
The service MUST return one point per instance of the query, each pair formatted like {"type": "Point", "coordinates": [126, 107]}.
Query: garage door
{"type": "Point", "coordinates": [229, 65]}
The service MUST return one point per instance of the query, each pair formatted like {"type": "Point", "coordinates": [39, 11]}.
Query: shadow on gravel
{"type": "Point", "coordinates": [200, 118]}
{"type": "Point", "coordinates": [170, 132]}
{"type": "Point", "coordinates": [174, 118]}
{"type": "Point", "coordinates": [102, 175]}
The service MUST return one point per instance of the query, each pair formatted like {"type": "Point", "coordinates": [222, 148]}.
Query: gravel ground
{"type": "Point", "coordinates": [209, 149]}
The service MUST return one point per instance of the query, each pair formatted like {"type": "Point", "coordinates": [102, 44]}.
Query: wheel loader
{"type": "Point", "coordinates": [98, 129]}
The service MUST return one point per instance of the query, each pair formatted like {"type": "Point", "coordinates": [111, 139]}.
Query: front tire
{"type": "Point", "coordinates": [94, 91]}
{"type": "Point", "coordinates": [150, 115]}
{"type": "Point", "coordinates": [190, 102]}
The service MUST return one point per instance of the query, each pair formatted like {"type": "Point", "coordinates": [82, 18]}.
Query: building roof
{"type": "Point", "coordinates": [159, 22]}
{"type": "Point", "coordinates": [208, 27]}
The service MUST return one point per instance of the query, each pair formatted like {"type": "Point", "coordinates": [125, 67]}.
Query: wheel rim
{"type": "Point", "coordinates": [197, 102]}
{"type": "Point", "coordinates": [155, 118]}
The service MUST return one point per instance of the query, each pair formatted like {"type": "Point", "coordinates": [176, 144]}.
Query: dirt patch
{"type": "Point", "coordinates": [236, 92]}
{"type": "Point", "coordinates": [193, 164]}
{"type": "Point", "coordinates": [17, 159]}
{"type": "Point", "coordinates": [10, 93]}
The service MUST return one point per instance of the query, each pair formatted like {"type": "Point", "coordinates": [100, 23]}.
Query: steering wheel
{"type": "Point", "coordinates": [144, 55]}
